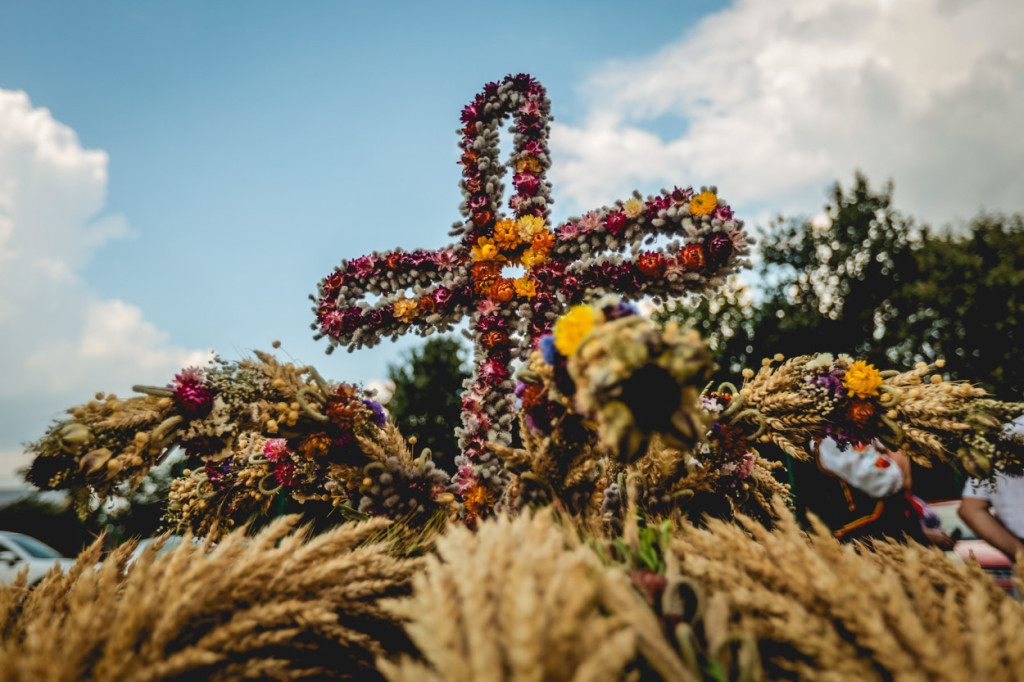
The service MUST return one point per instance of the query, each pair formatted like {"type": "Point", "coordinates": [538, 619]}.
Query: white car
{"type": "Point", "coordinates": [18, 551]}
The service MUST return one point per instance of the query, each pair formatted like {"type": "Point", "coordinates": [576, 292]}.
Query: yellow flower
{"type": "Point", "coordinates": [486, 249]}
{"type": "Point", "coordinates": [405, 309]}
{"type": "Point", "coordinates": [529, 226]}
{"type": "Point", "coordinates": [862, 380]}
{"type": "Point", "coordinates": [703, 204]}
{"type": "Point", "coordinates": [572, 328]}
{"type": "Point", "coordinates": [531, 258]}
{"type": "Point", "coordinates": [633, 207]}
{"type": "Point", "coordinates": [525, 287]}
{"type": "Point", "coordinates": [529, 164]}
{"type": "Point", "coordinates": [506, 235]}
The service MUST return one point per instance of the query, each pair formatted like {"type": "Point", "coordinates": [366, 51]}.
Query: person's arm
{"type": "Point", "coordinates": [975, 513]}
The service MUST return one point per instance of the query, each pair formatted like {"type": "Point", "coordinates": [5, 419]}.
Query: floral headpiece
{"type": "Point", "coordinates": [580, 260]}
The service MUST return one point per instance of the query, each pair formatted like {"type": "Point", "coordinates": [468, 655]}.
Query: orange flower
{"type": "Point", "coordinates": [405, 310]}
{"type": "Point", "coordinates": [703, 204]}
{"type": "Point", "coordinates": [477, 501]}
{"type": "Point", "coordinates": [503, 290]}
{"type": "Point", "coordinates": [692, 257]}
{"type": "Point", "coordinates": [528, 164]}
{"type": "Point", "coordinates": [506, 235]}
{"type": "Point", "coordinates": [427, 305]}
{"type": "Point", "coordinates": [525, 287]}
{"type": "Point", "coordinates": [544, 241]}
{"type": "Point", "coordinates": [860, 412]}
{"type": "Point", "coordinates": [315, 446]}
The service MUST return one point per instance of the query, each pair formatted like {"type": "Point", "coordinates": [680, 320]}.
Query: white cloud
{"type": "Point", "coordinates": [58, 341]}
{"type": "Point", "coordinates": [781, 99]}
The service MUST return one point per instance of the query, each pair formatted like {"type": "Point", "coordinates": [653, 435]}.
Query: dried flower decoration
{"type": "Point", "coordinates": [570, 264]}
{"type": "Point", "coordinates": [806, 397]}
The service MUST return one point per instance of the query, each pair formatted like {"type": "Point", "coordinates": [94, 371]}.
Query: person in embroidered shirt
{"type": "Point", "coordinates": [860, 491]}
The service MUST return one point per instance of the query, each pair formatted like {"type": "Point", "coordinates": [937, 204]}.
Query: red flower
{"type": "Point", "coordinates": [682, 196]}
{"type": "Point", "coordinates": [718, 247]}
{"type": "Point", "coordinates": [482, 219]}
{"type": "Point", "coordinates": [494, 338]}
{"type": "Point", "coordinates": [333, 282]}
{"type": "Point", "coordinates": [393, 261]}
{"type": "Point", "coordinates": [474, 184]}
{"type": "Point", "coordinates": [616, 222]}
{"type": "Point", "coordinates": [651, 264]}
{"type": "Point", "coordinates": [692, 257]}
{"type": "Point", "coordinates": [859, 412]}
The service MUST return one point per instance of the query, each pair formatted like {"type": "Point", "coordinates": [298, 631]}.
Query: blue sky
{"type": "Point", "coordinates": [176, 177]}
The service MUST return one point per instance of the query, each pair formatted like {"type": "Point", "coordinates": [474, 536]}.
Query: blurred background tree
{"type": "Point", "coordinates": [863, 279]}
{"type": "Point", "coordinates": [426, 401]}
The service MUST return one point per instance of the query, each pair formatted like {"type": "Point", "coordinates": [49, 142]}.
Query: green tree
{"type": "Point", "coordinates": [426, 400]}
{"type": "Point", "coordinates": [828, 284]}
{"type": "Point", "coordinates": [966, 305]}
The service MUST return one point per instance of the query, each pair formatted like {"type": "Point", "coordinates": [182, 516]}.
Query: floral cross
{"type": "Point", "coordinates": [582, 259]}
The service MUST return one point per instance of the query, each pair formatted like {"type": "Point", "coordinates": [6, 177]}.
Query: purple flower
{"type": "Point", "coordinates": [378, 418]}
{"type": "Point", "coordinates": [832, 381]}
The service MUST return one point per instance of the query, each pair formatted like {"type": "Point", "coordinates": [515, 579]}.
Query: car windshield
{"type": "Point", "coordinates": [34, 547]}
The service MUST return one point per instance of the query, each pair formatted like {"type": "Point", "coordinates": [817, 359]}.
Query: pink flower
{"type": "Point", "coordinates": [518, 203]}
{"type": "Point", "coordinates": [533, 148]}
{"type": "Point", "coordinates": [494, 369]}
{"type": "Point", "coordinates": [466, 478]}
{"type": "Point", "coordinates": [445, 259]}
{"type": "Point", "coordinates": [191, 396]}
{"type": "Point", "coordinates": [568, 230]}
{"type": "Point", "coordinates": [589, 221]}
{"type": "Point", "coordinates": [531, 107]}
{"type": "Point", "coordinates": [723, 213]}
{"type": "Point", "coordinates": [487, 307]}
{"type": "Point", "coordinates": [526, 183]}
{"type": "Point", "coordinates": [363, 266]}
{"type": "Point", "coordinates": [739, 239]}
{"type": "Point", "coordinates": [275, 449]}
{"type": "Point", "coordinates": [746, 465]}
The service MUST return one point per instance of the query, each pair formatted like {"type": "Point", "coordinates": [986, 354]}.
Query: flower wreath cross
{"type": "Point", "coordinates": [581, 259]}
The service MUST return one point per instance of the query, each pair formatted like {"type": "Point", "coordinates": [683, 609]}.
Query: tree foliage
{"type": "Point", "coordinates": [868, 281]}
{"type": "Point", "coordinates": [426, 401]}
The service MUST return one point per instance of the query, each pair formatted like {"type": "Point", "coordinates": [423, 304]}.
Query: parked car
{"type": "Point", "coordinates": [18, 551]}
{"type": "Point", "coordinates": [169, 545]}
{"type": "Point", "coordinates": [969, 545]}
